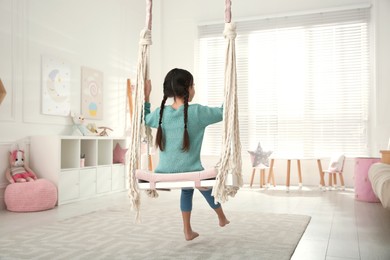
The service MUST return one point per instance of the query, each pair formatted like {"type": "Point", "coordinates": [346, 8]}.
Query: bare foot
{"type": "Point", "coordinates": [190, 235]}
{"type": "Point", "coordinates": [223, 222]}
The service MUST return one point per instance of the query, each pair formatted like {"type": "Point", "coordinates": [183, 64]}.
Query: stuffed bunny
{"type": "Point", "coordinates": [19, 170]}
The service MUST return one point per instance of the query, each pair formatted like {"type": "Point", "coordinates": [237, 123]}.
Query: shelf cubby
{"type": "Point", "coordinates": [70, 147]}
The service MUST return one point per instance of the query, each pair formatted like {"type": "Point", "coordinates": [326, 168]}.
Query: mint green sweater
{"type": "Point", "coordinates": [173, 159]}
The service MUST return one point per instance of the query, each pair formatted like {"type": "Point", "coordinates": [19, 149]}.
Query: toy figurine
{"type": "Point", "coordinates": [79, 127]}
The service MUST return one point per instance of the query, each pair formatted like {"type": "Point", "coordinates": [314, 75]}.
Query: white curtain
{"type": "Point", "coordinates": [303, 82]}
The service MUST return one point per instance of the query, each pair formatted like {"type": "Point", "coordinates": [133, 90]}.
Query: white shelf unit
{"type": "Point", "coordinates": [57, 158]}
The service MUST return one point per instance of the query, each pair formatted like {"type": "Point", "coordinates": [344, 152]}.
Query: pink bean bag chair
{"type": "Point", "coordinates": [30, 196]}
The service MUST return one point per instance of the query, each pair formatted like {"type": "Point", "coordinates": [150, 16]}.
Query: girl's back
{"type": "Point", "coordinates": [173, 158]}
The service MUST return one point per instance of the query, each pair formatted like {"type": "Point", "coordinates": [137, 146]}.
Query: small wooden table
{"type": "Point", "coordinates": [289, 159]}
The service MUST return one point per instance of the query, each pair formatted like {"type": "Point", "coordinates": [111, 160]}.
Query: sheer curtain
{"type": "Point", "coordinates": [303, 82]}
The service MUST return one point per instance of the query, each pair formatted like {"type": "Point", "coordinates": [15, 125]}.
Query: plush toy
{"type": "Point", "coordinates": [104, 131]}
{"type": "Point", "coordinates": [79, 127]}
{"type": "Point", "coordinates": [92, 128]}
{"type": "Point", "coordinates": [19, 170]}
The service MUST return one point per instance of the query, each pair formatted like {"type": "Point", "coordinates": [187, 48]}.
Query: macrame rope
{"type": "Point", "coordinates": [230, 161]}
{"type": "Point", "coordinates": [148, 22]}
{"type": "Point", "coordinates": [139, 131]}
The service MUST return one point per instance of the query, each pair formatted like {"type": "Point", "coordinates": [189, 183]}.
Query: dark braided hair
{"type": "Point", "coordinates": [186, 137]}
{"type": "Point", "coordinates": [176, 84]}
{"type": "Point", "coordinates": [159, 137]}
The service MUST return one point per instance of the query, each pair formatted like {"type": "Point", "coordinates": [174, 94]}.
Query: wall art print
{"type": "Point", "coordinates": [55, 87]}
{"type": "Point", "coordinates": [91, 93]}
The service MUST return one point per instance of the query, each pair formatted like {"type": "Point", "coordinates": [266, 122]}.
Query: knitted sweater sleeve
{"type": "Point", "coordinates": [151, 118]}
{"type": "Point", "coordinates": [209, 115]}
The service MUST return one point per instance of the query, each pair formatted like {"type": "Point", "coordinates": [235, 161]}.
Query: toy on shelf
{"type": "Point", "coordinates": [104, 132]}
{"type": "Point", "coordinates": [92, 128]}
{"type": "Point", "coordinates": [19, 171]}
{"type": "Point", "coordinates": [79, 127]}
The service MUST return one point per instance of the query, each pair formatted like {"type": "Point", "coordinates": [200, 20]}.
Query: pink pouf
{"type": "Point", "coordinates": [30, 196]}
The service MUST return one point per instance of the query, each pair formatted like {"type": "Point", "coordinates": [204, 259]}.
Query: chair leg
{"type": "Point", "coordinates": [334, 180]}
{"type": "Point", "coordinates": [271, 173]}
{"type": "Point", "coordinates": [253, 175]}
{"type": "Point", "coordinates": [265, 180]}
{"type": "Point", "coordinates": [273, 180]}
{"type": "Point", "coordinates": [341, 180]}
{"type": "Point", "coordinates": [262, 181]}
{"type": "Point", "coordinates": [330, 180]}
{"type": "Point", "coordinates": [263, 174]}
{"type": "Point", "coordinates": [322, 180]}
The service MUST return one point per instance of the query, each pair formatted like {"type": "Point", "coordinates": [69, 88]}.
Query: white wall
{"type": "Point", "coordinates": [99, 34]}
{"type": "Point", "coordinates": [104, 35]}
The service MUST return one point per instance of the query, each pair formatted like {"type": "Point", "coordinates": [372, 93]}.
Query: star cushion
{"type": "Point", "coordinates": [119, 154]}
{"type": "Point", "coordinates": [259, 156]}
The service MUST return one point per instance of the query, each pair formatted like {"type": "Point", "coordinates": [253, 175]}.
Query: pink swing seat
{"type": "Point", "coordinates": [150, 180]}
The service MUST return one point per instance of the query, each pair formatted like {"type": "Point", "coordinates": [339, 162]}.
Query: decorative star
{"type": "Point", "coordinates": [260, 156]}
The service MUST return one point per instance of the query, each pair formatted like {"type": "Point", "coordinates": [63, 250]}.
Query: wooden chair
{"type": "Point", "coordinates": [336, 166]}
{"type": "Point", "coordinates": [262, 169]}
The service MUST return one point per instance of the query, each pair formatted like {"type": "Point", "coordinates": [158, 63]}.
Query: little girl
{"type": "Point", "coordinates": [180, 131]}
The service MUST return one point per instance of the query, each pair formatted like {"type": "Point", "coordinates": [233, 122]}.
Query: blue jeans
{"type": "Point", "coordinates": [187, 195]}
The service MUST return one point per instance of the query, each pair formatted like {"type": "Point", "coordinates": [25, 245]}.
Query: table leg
{"type": "Point", "coordinates": [288, 174]}
{"type": "Point", "coordinates": [299, 173]}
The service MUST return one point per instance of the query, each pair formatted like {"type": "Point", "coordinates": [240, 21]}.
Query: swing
{"type": "Point", "coordinates": [148, 180]}
{"type": "Point", "coordinates": [225, 179]}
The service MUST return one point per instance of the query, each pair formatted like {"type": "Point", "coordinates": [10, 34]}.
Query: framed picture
{"type": "Point", "coordinates": [55, 87]}
{"type": "Point", "coordinates": [91, 93]}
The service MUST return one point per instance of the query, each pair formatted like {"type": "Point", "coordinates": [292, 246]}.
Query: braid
{"type": "Point", "coordinates": [159, 136]}
{"type": "Point", "coordinates": [186, 138]}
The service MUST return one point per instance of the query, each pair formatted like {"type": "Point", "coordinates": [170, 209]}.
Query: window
{"type": "Point", "coordinates": [303, 82]}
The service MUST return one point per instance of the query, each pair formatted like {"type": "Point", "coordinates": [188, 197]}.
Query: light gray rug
{"type": "Point", "coordinates": [113, 234]}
